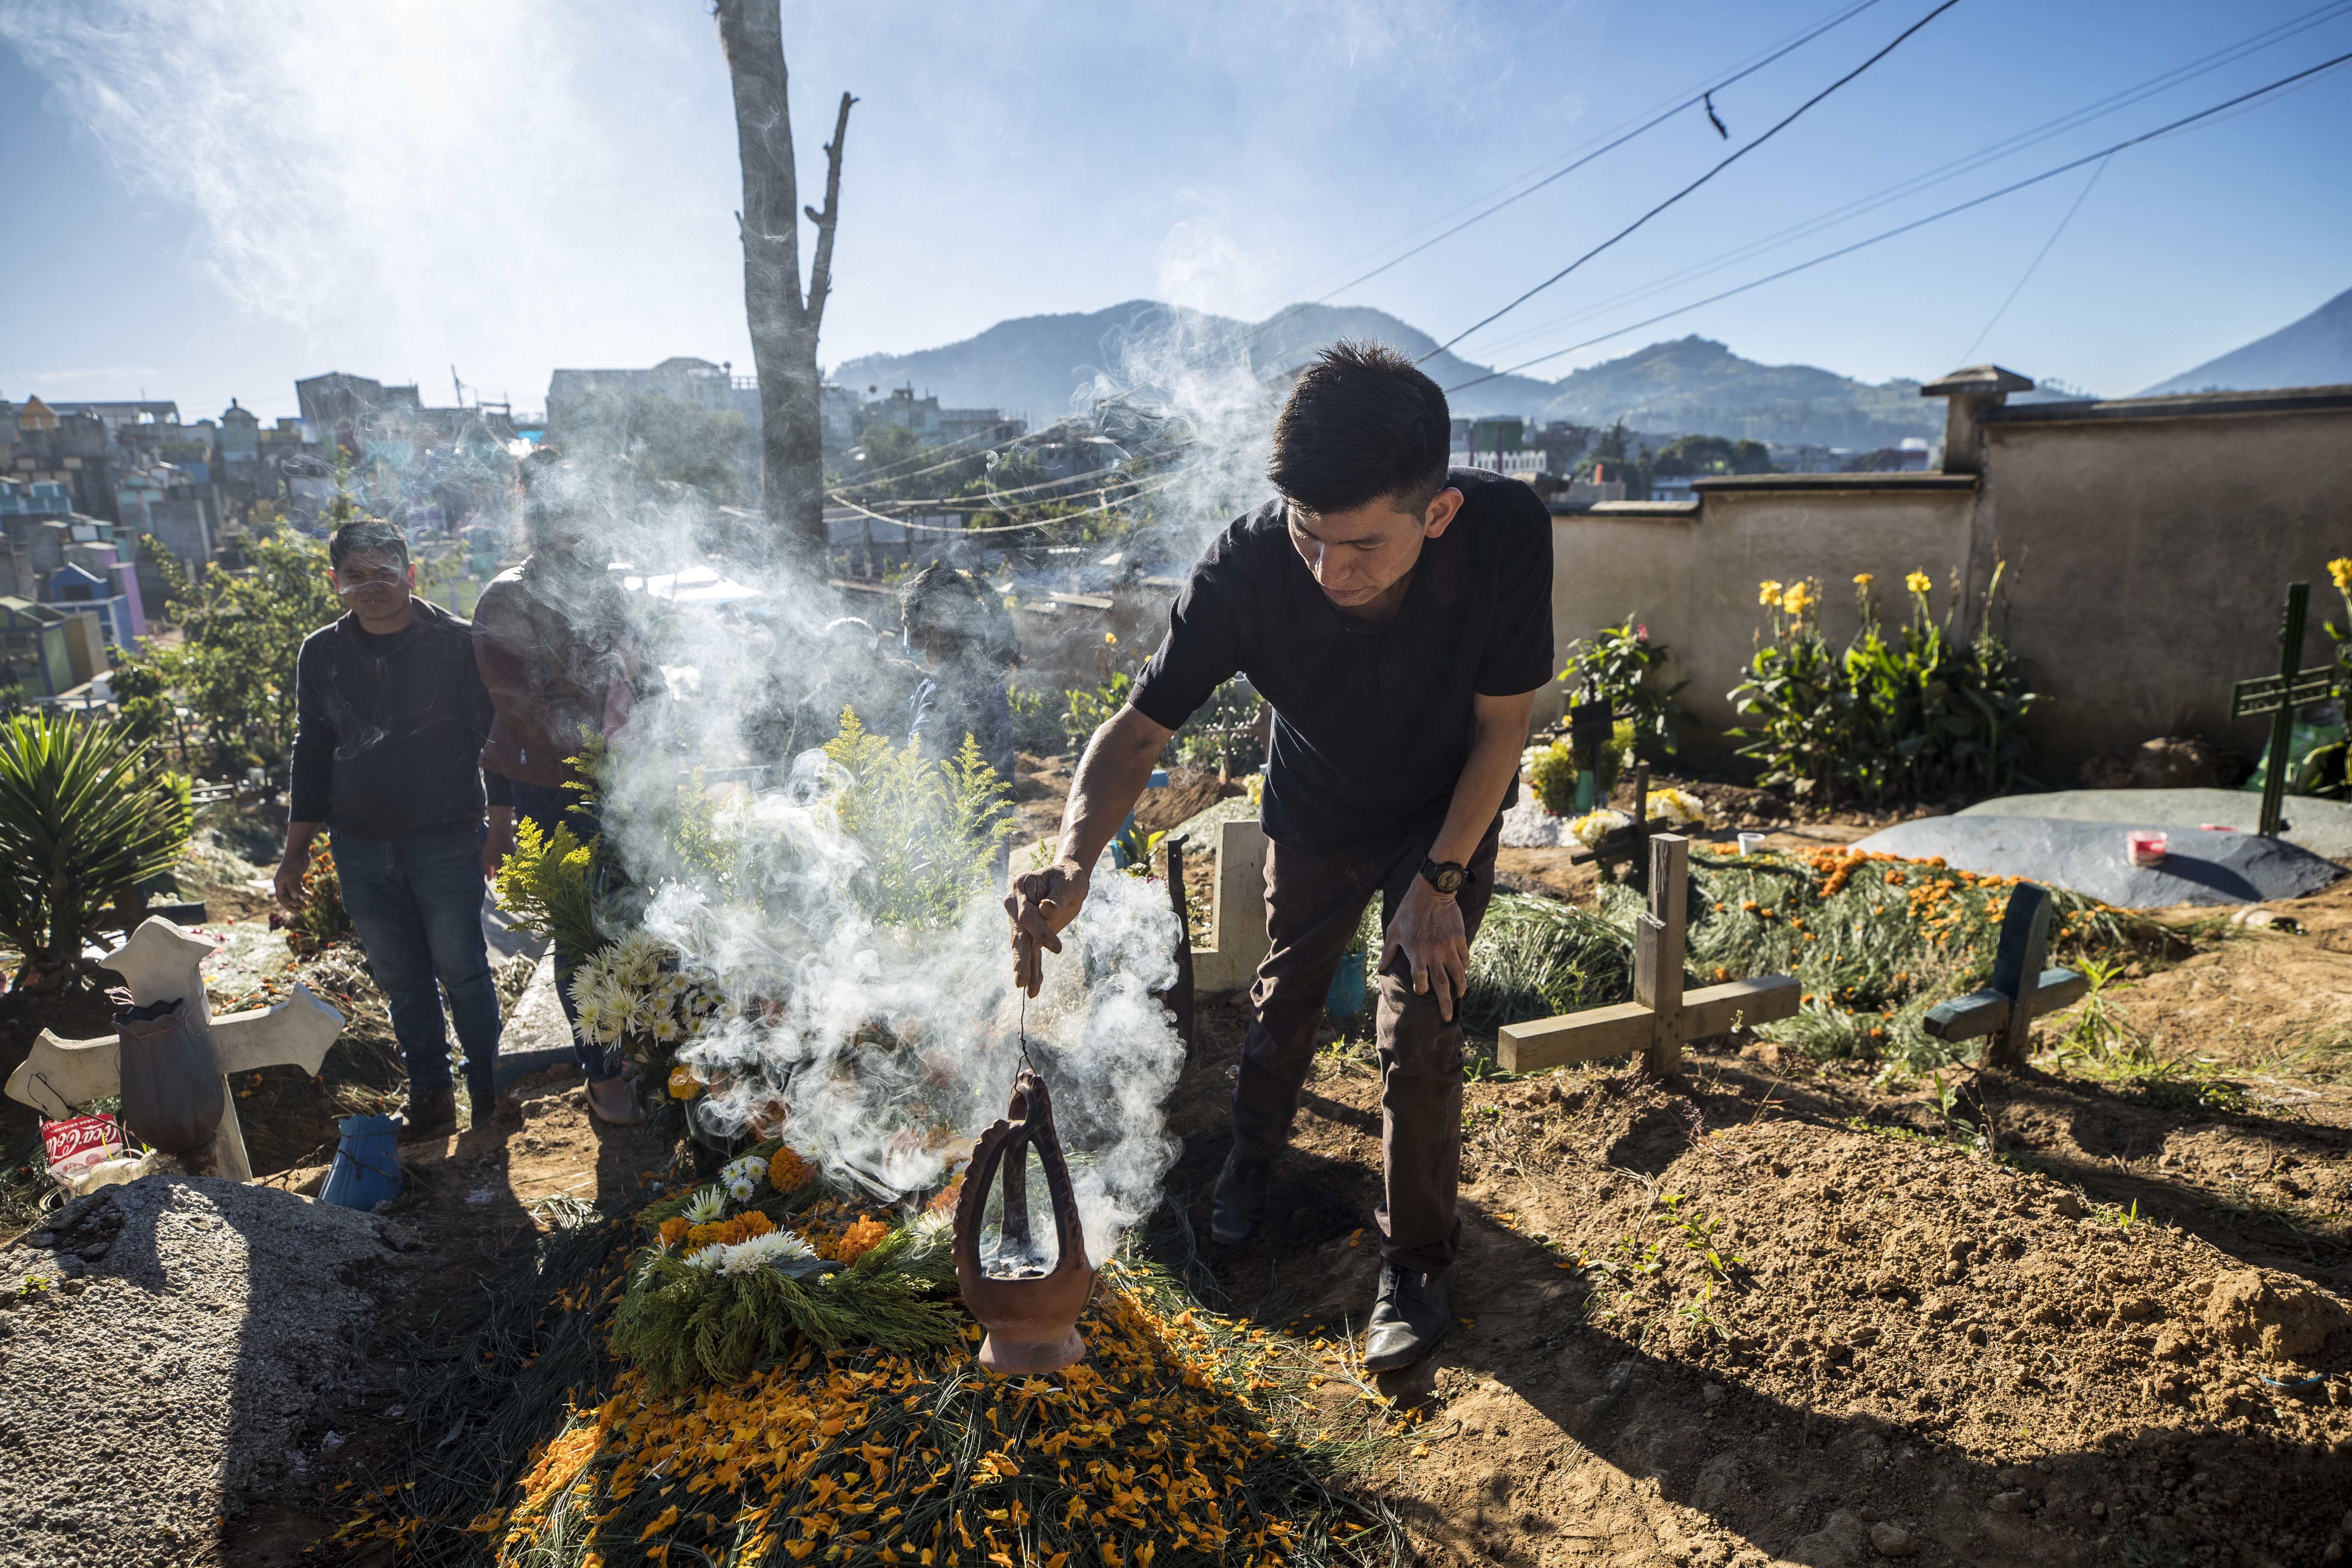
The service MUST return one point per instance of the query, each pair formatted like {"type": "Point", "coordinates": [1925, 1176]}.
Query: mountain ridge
{"type": "Point", "coordinates": [1047, 366]}
{"type": "Point", "coordinates": [2312, 350]}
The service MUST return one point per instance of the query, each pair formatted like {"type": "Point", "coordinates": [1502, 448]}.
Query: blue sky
{"type": "Point", "coordinates": [210, 198]}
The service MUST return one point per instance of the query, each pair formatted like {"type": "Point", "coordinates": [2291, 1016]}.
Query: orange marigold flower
{"type": "Point", "coordinates": [787, 1171]}
{"type": "Point", "coordinates": [859, 1240]}
{"type": "Point", "coordinates": [673, 1230]}
{"type": "Point", "coordinates": [948, 1195]}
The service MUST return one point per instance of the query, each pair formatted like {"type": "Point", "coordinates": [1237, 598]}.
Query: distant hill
{"type": "Point", "coordinates": [1046, 367]}
{"type": "Point", "coordinates": [1699, 384]}
{"type": "Point", "coordinates": [2314, 352]}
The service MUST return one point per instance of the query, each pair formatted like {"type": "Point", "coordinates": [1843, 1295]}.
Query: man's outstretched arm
{"type": "Point", "coordinates": [1118, 763]}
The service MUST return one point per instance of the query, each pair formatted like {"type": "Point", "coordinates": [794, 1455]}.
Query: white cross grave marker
{"type": "Point", "coordinates": [160, 962]}
{"type": "Point", "coordinates": [1662, 1016]}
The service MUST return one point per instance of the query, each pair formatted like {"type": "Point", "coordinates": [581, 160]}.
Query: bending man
{"type": "Point", "coordinates": [1397, 615]}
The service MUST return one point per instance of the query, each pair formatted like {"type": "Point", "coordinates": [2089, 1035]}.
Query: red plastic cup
{"type": "Point", "coordinates": [2146, 846]}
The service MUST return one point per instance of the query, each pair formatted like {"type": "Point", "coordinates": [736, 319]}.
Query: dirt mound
{"type": "Point", "coordinates": [1719, 1328]}
{"type": "Point", "coordinates": [183, 1330]}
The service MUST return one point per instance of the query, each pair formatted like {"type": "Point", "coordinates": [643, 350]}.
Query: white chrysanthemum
{"type": "Point", "coordinates": [1594, 825]}
{"type": "Point", "coordinates": [775, 1249]}
{"type": "Point", "coordinates": [667, 1030]}
{"type": "Point", "coordinates": [749, 1168]}
{"type": "Point", "coordinates": [707, 1206]}
{"type": "Point", "coordinates": [711, 1257]}
{"type": "Point", "coordinates": [1679, 807]}
{"type": "Point", "coordinates": [740, 1191]}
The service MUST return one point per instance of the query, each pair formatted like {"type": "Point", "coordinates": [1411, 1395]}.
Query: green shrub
{"type": "Point", "coordinates": [1036, 728]}
{"type": "Point", "coordinates": [1223, 734]}
{"type": "Point", "coordinates": [1087, 711]}
{"type": "Point", "coordinates": [1554, 770]}
{"type": "Point", "coordinates": [1923, 714]}
{"type": "Point", "coordinates": [84, 813]}
{"type": "Point", "coordinates": [1618, 663]}
{"type": "Point", "coordinates": [929, 831]}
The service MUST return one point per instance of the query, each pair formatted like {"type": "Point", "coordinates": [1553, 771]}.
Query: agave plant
{"type": "Point", "coordinates": [84, 813]}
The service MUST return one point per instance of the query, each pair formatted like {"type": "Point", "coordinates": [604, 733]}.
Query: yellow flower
{"type": "Point", "coordinates": [1111, 637]}
{"type": "Point", "coordinates": [2340, 569]}
{"type": "Point", "coordinates": [1917, 582]}
{"type": "Point", "coordinates": [1797, 599]}
{"type": "Point", "coordinates": [1864, 579]}
{"type": "Point", "coordinates": [683, 1084]}
{"type": "Point", "coordinates": [1768, 592]}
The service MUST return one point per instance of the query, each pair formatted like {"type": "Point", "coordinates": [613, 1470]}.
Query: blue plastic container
{"type": "Point", "coordinates": [366, 1171]}
{"type": "Point", "coordinates": [1347, 995]}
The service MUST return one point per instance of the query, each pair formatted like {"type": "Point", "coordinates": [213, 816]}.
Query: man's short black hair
{"type": "Point", "coordinates": [1363, 425]}
{"type": "Point", "coordinates": [367, 536]}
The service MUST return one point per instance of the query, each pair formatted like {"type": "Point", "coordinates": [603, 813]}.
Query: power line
{"type": "Point", "coordinates": [1920, 223]}
{"type": "Point", "coordinates": [1938, 176]}
{"type": "Point", "coordinates": [1703, 95]}
{"type": "Point", "coordinates": [1695, 185]}
{"type": "Point", "coordinates": [2030, 266]}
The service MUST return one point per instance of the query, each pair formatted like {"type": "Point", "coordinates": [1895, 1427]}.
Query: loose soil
{"type": "Point", "coordinates": [2120, 1335]}
{"type": "Point", "coordinates": [2117, 1335]}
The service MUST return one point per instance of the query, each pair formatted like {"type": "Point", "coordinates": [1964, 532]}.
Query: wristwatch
{"type": "Point", "coordinates": [1449, 879]}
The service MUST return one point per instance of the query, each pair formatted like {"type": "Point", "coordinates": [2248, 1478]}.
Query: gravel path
{"type": "Point", "coordinates": [185, 1329]}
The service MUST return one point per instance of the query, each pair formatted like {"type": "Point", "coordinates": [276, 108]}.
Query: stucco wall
{"type": "Point", "coordinates": [2152, 551]}
{"type": "Point", "coordinates": [1691, 571]}
{"type": "Point", "coordinates": [2148, 543]}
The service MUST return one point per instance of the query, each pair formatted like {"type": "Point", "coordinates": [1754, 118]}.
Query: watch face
{"type": "Point", "coordinates": [1449, 879]}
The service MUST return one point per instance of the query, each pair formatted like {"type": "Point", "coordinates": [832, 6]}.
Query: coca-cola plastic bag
{"type": "Point", "coordinates": [78, 1142]}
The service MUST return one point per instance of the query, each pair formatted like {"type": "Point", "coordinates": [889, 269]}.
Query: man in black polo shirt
{"type": "Point", "coordinates": [1397, 614]}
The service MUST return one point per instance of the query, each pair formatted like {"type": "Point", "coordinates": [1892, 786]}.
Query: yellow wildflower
{"type": "Point", "coordinates": [1111, 637]}
{"type": "Point", "coordinates": [1917, 582]}
{"type": "Point", "coordinates": [1864, 579]}
{"type": "Point", "coordinates": [1768, 592]}
{"type": "Point", "coordinates": [1797, 599]}
{"type": "Point", "coordinates": [2340, 569]}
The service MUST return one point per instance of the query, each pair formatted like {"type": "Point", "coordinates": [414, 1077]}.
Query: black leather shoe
{"type": "Point", "coordinates": [1238, 1206]}
{"type": "Point", "coordinates": [430, 1114]}
{"type": "Point", "coordinates": [1410, 1319]}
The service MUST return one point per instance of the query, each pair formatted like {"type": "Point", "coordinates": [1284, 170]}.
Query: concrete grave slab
{"type": "Point", "coordinates": [2322, 826]}
{"type": "Point", "coordinates": [2202, 868]}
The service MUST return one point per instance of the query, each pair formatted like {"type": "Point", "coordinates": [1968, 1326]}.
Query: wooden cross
{"type": "Point", "coordinates": [1661, 1016]}
{"type": "Point", "coordinates": [2279, 696]}
{"type": "Point", "coordinates": [2024, 941]}
{"type": "Point", "coordinates": [160, 962]}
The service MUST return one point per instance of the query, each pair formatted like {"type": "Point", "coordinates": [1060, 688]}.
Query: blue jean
{"type": "Point", "coordinates": [544, 805]}
{"type": "Point", "coordinates": [417, 903]}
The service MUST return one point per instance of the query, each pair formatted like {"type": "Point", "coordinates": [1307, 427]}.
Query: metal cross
{"type": "Point", "coordinates": [2279, 696]}
{"type": "Point", "coordinates": [161, 962]}
{"type": "Point", "coordinates": [1662, 1016]}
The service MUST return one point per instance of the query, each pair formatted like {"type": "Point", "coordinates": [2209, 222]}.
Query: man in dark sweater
{"type": "Point", "coordinates": [1397, 615]}
{"type": "Point", "coordinates": [388, 737]}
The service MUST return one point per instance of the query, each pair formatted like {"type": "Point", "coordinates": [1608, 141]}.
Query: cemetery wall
{"type": "Point", "coordinates": [2153, 539]}
{"type": "Point", "coordinates": [1690, 568]}
{"type": "Point", "coordinates": [2148, 543]}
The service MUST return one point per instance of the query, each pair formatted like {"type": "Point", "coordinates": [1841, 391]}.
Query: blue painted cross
{"type": "Point", "coordinates": [2024, 941]}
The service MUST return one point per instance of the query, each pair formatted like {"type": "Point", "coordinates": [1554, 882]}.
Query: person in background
{"type": "Point", "coordinates": [1397, 615]}
{"type": "Point", "coordinates": [553, 640]}
{"type": "Point", "coordinates": [966, 640]}
{"type": "Point", "coordinates": [390, 715]}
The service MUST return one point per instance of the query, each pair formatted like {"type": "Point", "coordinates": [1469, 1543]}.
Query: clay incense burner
{"type": "Point", "coordinates": [1031, 1314]}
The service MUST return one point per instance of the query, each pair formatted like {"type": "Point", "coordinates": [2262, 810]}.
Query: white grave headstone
{"type": "Point", "coordinates": [159, 963]}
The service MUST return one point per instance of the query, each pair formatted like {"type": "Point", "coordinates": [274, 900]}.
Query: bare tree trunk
{"type": "Point", "coordinates": [783, 326]}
